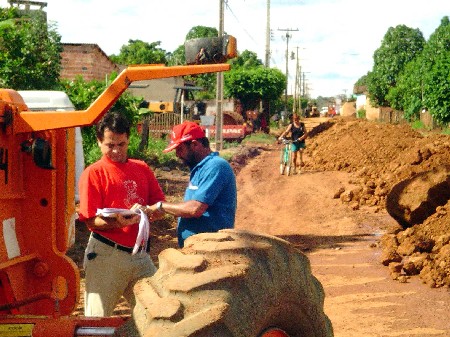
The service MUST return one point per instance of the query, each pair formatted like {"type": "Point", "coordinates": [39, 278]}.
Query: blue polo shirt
{"type": "Point", "coordinates": [212, 181]}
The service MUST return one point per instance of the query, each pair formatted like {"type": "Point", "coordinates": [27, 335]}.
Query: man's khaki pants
{"type": "Point", "coordinates": [111, 273]}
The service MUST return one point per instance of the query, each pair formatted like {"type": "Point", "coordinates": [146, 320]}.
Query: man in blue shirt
{"type": "Point", "coordinates": [210, 198]}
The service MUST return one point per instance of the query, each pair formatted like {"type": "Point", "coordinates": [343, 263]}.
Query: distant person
{"type": "Point", "coordinates": [210, 199]}
{"type": "Point", "coordinates": [115, 181]}
{"type": "Point", "coordinates": [256, 121]}
{"type": "Point", "coordinates": [298, 135]}
{"type": "Point", "coordinates": [264, 125]}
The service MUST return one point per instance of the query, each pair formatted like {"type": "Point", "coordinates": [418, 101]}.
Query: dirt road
{"type": "Point", "coordinates": [343, 246]}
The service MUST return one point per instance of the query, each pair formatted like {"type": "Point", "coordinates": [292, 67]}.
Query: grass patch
{"type": "Point", "coordinates": [227, 154]}
{"type": "Point", "coordinates": [259, 137]}
{"type": "Point", "coordinates": [418, 125]}
{"type": "Point", "coordinates": [361, 113]}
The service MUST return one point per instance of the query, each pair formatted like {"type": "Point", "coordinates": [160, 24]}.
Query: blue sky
{"type": "Point", "coordinates": [335, 39]}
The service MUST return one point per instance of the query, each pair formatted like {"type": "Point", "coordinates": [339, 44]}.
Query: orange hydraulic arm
{"type": "Point", "coordinates": [28, 121]}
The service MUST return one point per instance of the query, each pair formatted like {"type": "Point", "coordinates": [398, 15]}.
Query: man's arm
{"type": "Point", "coordinates": [185, 209]}
{"type": "Point", "coordinates": [285, 132]}
{"type": "Point", "coordinates": [112, 222]}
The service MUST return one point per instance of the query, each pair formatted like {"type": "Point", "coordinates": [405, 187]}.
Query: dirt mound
{"type": "Point", "coordinates": [413, 200]}
{"type": "Point", "coordinates": [380, 157]}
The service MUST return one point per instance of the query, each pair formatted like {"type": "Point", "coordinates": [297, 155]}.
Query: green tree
{"type": "Point", "coordinates": [400, 45]}
{"type": "Point", "coordinates": [140, 52]}
{"type": "Point", "coordinates": [360, 87]}
{"type": "Point", "coordinates": [201, 31]}
{"type": "Point", "coordinates": [407, 94]}
{"type": "Point", "coordinates": [30, 52]}
{"type": "Point", "coordinates": [251, 82]}
{"type": "Point", "coordinates": [425, 81]}
{"type": "Point", "coordinates": [247, 59]}
{"type": "Point", "coordinates": [178, 56]}
{"type": "Point", "coordinates": [436, 71]}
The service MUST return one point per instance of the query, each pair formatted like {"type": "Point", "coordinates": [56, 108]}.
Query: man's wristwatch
{"type": "Point", "coordinates": [159, 206]}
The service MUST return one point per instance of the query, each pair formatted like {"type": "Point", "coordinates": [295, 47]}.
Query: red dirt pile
{"type": "Point", "coordinates": [389, 164]}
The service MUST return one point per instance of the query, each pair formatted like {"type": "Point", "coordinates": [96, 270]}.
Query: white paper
{"type": "Point", "coordinates": [144, 225]}
{"type": "Point", "coordinates": [143, 234]}
{"type": "Point", "coordinates": [109, 212]}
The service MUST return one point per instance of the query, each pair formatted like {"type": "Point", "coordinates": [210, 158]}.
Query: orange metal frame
{"type": "Point", "coordinates": [45, 120]}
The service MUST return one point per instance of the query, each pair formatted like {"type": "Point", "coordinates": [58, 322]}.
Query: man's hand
{"type": "Point", "coordinates": [112, 221]}
{"type": "Point", "coordinates": [156, 214]}
{"type": "Point", "coordinates": [128, 219]}
{"type": "Point", "coordinates": [151, 211]}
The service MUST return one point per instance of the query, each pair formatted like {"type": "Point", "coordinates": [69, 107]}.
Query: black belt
{"type": "Point", "coordinates": [111, 243]}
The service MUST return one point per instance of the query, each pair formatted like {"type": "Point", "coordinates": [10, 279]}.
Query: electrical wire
{"type": "Point", "coordinates": [234, 15]}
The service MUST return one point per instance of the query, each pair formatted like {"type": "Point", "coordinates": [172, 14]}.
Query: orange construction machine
{"type": "Point", "coordinates": [37, 206]}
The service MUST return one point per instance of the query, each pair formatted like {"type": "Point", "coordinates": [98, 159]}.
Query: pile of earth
{"type": "Point", "coordinates": [396, 168]}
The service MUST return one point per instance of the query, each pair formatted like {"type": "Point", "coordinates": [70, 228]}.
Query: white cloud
{"type": "Point", "coordinates": [336, 39]}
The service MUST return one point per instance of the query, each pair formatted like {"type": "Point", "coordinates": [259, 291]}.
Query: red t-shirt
{"type": "Point", "coordinates": [107, 184]}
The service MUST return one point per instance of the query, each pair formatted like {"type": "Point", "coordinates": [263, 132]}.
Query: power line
{"type": "Point", "coordinates": [234, 15]}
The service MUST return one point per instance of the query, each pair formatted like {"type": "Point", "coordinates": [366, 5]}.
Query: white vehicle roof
{"type": "Point", "coordinates": [46, 100]}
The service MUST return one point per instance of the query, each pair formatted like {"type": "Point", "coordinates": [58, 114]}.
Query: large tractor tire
{"type": "Point", "coordinates": [230, 283]}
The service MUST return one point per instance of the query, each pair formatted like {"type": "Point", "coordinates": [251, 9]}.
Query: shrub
{"type": "Point", "coordinates": [361, 113]}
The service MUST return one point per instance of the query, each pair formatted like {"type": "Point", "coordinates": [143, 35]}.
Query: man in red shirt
{"type": "Point", "coordinates": [115, 181]}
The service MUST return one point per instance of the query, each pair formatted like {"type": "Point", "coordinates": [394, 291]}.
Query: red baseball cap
{"type": "Point", "coordinates": [184, 132]}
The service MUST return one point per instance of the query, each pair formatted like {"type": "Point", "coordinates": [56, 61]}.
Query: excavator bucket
{"type": "Point", "coordinates": [209, 50]}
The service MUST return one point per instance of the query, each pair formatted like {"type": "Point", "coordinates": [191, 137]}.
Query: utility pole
{"type": "Point", "coordinates": [219, 88]}
{"type": "Point", "coordinates": [297, 106]}
{"type": "Point", "coordinates": [288, 36]}
{"type": "Point", "coordinates": [296, 86]}
{"type": "Point", "coordinates": [264, 104]}
{"type": "Point", "coordinates": [305, 87]}
{"type": "Point", "coordinates": [267, 63]}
